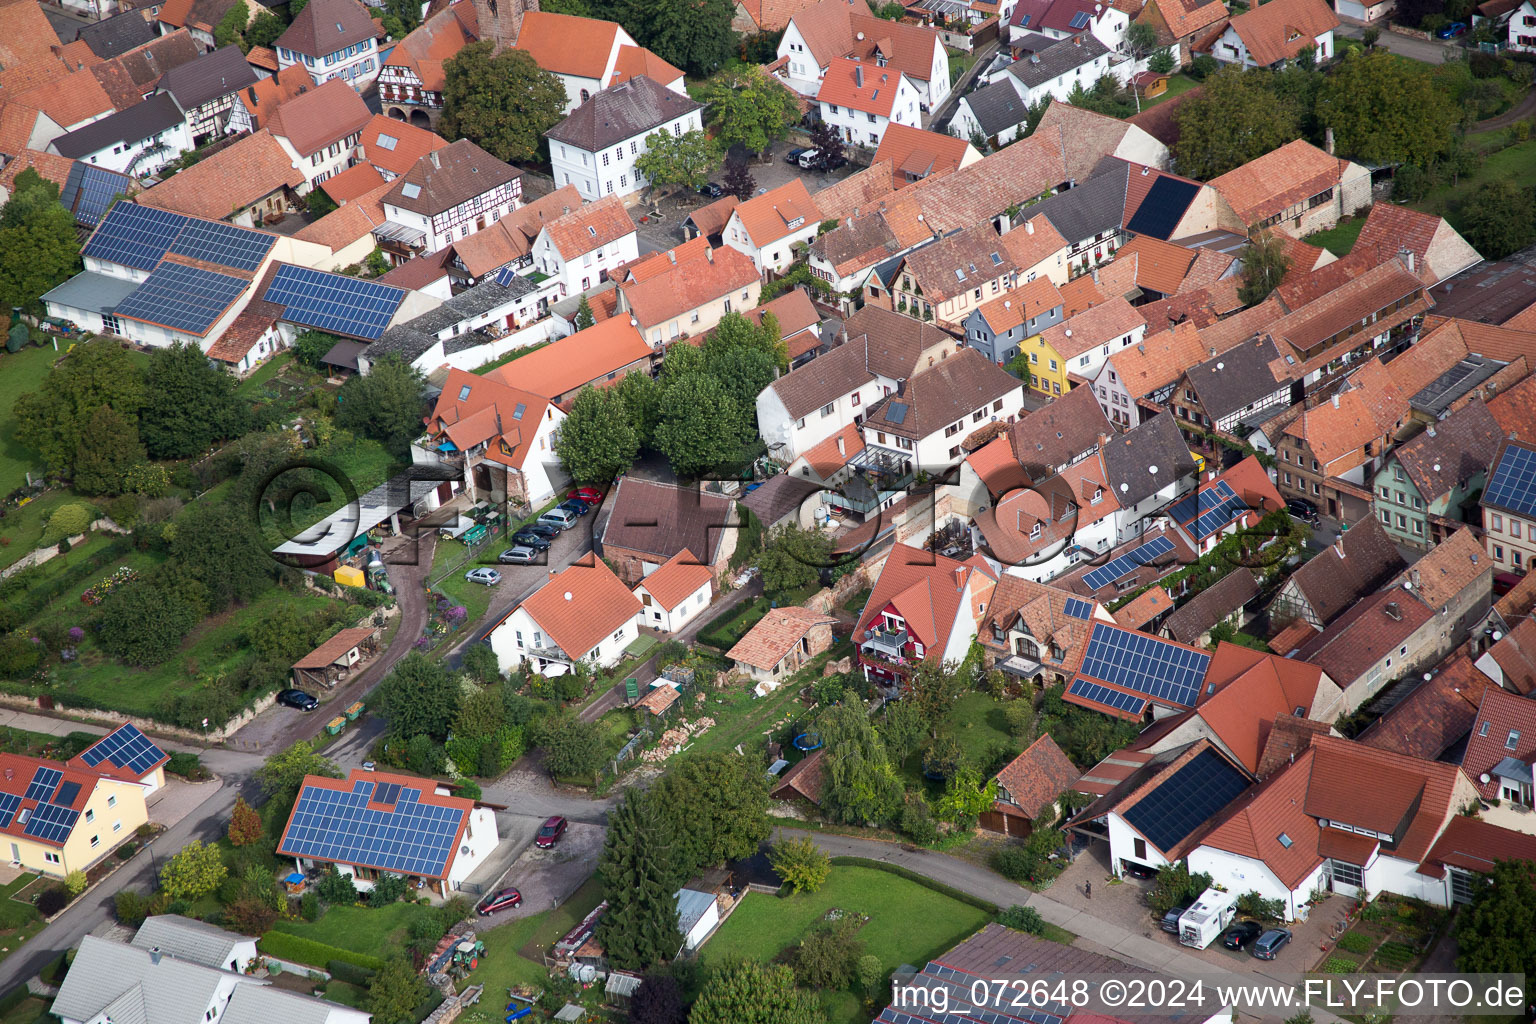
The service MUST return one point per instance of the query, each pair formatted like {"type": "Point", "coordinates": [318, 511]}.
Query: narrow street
{"type": "Point", "coordinates": [1428, 51]}
{"type": "Point", "coordinates": [939, 119]}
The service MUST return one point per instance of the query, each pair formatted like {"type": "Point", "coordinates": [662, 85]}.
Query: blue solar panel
{"type": "Point", "coordinates": [1129, 562]}
{"type": "Point", "coordinates": [1079, 20]}
{"type": "Point", "coordinates": [8, 804]}
{"type": "Point", "coordinates": [88, 191]}
{"type": "Point", "coordinates": [1513, 484]}
{"type": "Point", "coordinates": [1110, 698]}
{"type": "Point", "coordinates": [1160, 212]}
{"type": "Point", "coordinates": [44, 782]}
{"type": "Point", "coordinates": [410, 837]}
{"type": "Point", "coordinates": [387, 793]}
{"type": "Point", "coordinates": [1079, 609]}
{"type": "Point", "coordinates": [50, 823]}
{"type": "Point", "coordinates": [334, 302]}
{"type": "Point", "coordinates": [127, 748]}
{"type": "Point", "coordinates": [224, 244]}
{"type": "Point", "coordinates": [134, 236]}
{"type": "Point", "coordinates": [1211, 508]}
{"type": "Point", "coordinates": [1156, 668]}
{"type": "Point", "coordinates": [182, 298]}
{"type": "Point", "coordinates": [1187, 798]}
{"type": "Point", "coordinates": [505, 275]}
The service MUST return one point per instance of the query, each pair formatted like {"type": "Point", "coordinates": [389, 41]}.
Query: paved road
{"type": "Point", "coordinates": [1424, 50]}
{"type": "Point", "coordinates": [1521, 111]}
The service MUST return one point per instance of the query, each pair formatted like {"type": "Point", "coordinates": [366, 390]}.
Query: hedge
{"type": "Point", "coordinates": [350, 973]}
{"type": "Point", "coordinates": [923, 880]}
{"type": "Point", "coordinates": [307, 951]}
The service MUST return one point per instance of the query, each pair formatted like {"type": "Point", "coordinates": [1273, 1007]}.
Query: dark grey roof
{"type": "Point", "coordinates": [1453, 383]}
{"type": "Point", "coordinates": [209, 77]}
{"type": "Point", "coordinates": [1235, 379]}
{"type": "Point", "coordinates": [1212, 605]}
{"type": "Point", "coordinates": [621, 112]}
{"type": "Point", "coordinates": [1055, 60]}
{"type": "Point", "coordinates": [99, 293]}
{"type": "Point", "coordinates": [662, 519]}
{"type": "Point", "coordinates": [344, 353]}
{"type": "Point", "coordinates": [118, 34]}
{"type": "Point", "coordinates": [779, 497]}
{"type": "Point", "coordinates": [1033, 42]}
{"type": "Point", "coordinates": [1095, 205]}
{"type": "Point", "coordinates": [403, 341]}
{"type": "Point", "coordinates": [1130, 458]}
{"type": "Point", "coordinates": [444, 178]}
{"type": "Point", "coordinates": [410, 339]}
{"type": "Point", "coordinates": [997, 107]}
{"type": "Point", "coordinates": [130, 126]}
{"type": "Point", "coordinates": [327, 26]}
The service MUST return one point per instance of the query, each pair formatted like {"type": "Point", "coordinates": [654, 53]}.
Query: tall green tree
{"type": "Point", "coordinates": [144, 624]}
{"type": "Point", "coordinates": [52, 419]}
{"type": "Point", "coordinates": [1493, 932]}
{"type": "Point", "coordinates": [108, 448]}
{"type": "Point", "coordinates": [1236, 118]}
{"type": "Point", "coordinates": [189, 403]}
{"type": "Point", "coordinates": [859, 783]}
{"type": "Point", "coordinates": [684, 161]}
{"type": "Point", "coordinates": [264, 29]}
{"type": "Point", "coordinates": [214, 544]}
{"type": "Point", "coordinates": [749, 108]}
{"type": "Point", "coordinates": [699, 429]}
{"type": "Point", "coordinates": [584, 316]}
{"type": "Point", "coordinates": [1498, 218]}
{"type": "Point", "coordinates": [386, 405]}
{"type": "Point", "coordinates": [695, 35]}
{"type": "Point", "coordinates": [1264, 267]}
{"type": "Point", "coordinates": [639, 876]}
{"type": "Point", "coordinates": [597, 440]}
{"type": "Point", "coordinates": [231, 27]}
{"type": "Point", "coordinates": [641, 394]}
{"type": "Point", "coordinates": [419, 697]}
{"type": "Point", "coordinates": [572, 747]}
{"type": "Point", "coordinates": [745, 992]}
{"type": "Point", "coordinates": [933, 687]}
{"type": "Point", "coordinates": [793, 557]}
{"type": "Point", "coordinates": [1386, 110]}
{"type": "Point", "coordinates": [281, 774]}
{"type": "Point", "coordinates": [721, 801]}
{"type": "Point", "coordinates": [38, 245]}
{"type": "Point", "coordinates": [195, 871]}
{"type": "Point", "coordinates": [396, 991]}
{"type": "Point", "coordinates": [504, 104]}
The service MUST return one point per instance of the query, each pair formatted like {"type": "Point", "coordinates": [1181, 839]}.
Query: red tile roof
{"type": "Point", "coordinates": [396, 146]}
{"type": "Point", "coordinates": [437, 40]}
{"type": "Point", "coordinates": [1476, 845]}
{"type": "Point", "coordinates": [1036, 778]}
{"type": "Point", "coordinates": [1281, 29]}
{"type": "Point", "coordinates": [866, 88]}
{"type": "Point", "coordinates": [637, 61]}
{"type": "Point", "coordinates": [690, 283]}
{"type": "Point", "coordinates": [1408, 797]}
{"type": "Point", "coordinates": [767, 218]}
{"type": "Point", "coordinates": [1252, 689]}
{"type": "Point", "coordinates": [314, 119]}
{"type": "Point", "coordinates": [590, 227]}
{"type": "Point", "coordinates": [18, 771]}
{"type": "Point", "coordinates": [582, 605]}
{"type": "Point", "coordinates": [1279, 179]}
{"type": "Point", "coordinates": [568, 45]}
{"type": "Point", "coordinates": [1255, 823]}
{"type": "Point", "coordinates": [586, 357]}
{"type": "Point", "coordinates": [775, 635]}
{"type": "Point", "coordinates": [926, 589]}
{"type": "Point", "coordinates": [1504, 725]}
{"type": "Point", "coordinates": [918, 154]}
{"type": "Point", "coordinates": [236, 177]}
{"type": "Point", "coordinates": [1435, 714]}
{"type": "Point", "coordinates": [676, 579]}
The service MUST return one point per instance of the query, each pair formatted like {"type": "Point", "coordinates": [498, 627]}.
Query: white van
{"type": "Point", "coordinates": [559, 519]}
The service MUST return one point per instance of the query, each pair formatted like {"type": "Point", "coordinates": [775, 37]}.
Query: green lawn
{"type": "Point", "coordinates": [19, 920]}
{"type": "Point", "coordinates": [20, 372]}
{"type": "Point", "coordinates": [908, 923]}
{"type": "Point", "coordinates": [254, 386]}
{"type": "Point", "coordinates": [31, 1010]}
{"type": "Point", "coordinates": [741, 718]}
{"type": "Point", "coordinates": [360, 929]}
{"type": "Point", "coordinates": [513, 950]}
{"type": "Point", "coordinates": [977, 722]}
{"type": "Point", "coordinates": [1339, 239]}
{"type": "Point", "coordinates": [450, 561]}
{"type": "Point", "coordinates": [1517, 163]}
{"type": "Point", "coordinates": [729, 627]}
{"type": "Point", "coordinates": [22, 528]}
{"type": "Point", "coordinates": [1177, 86]}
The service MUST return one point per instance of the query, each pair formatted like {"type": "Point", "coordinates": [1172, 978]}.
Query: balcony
{"type": "Point", "coordinates": [886, 645]}
{"type": "Point", "coordinates": [1022, 665]}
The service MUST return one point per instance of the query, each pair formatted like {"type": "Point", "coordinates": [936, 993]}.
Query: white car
{"type": "Point", "coordinates": [489, 577]}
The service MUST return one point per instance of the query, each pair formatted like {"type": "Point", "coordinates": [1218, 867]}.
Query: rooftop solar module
{"type": "Point", "coordinates": [8, 804]}
{"type": "Point", "coordinates": [182, 298]}
{"type": "Point", "coordinates": [1513, 485]}
{"type": "Point", "coordinates": [1119, 700]}
{"type": "Point", "coordinates": [1079, 609]}
{"type": "Point", "coordinates": [1162, 209]}
{"type": "Point", "coordinates": [1211, 508]}
{"type": "Point", "coordinates": [224, 244]}
{"type": "Point", "coordinates": [134, 236]}
{"type": "Point", "coordinates": [88, 191]}
{"type": "Point", "coordinates": [44, 782]}
{"type": "Point", "coordinates": [409, 837]}
{"type": "Point", "coordinates": [334, 302]}
{"type": "Point", "coordinates": [1129, 562]}
{"type": "Point", "coordinates": [1186, 799]}
{"type": "Point", "coordinates": [50, 823]}
{"type": "Point", "coordinates": [1155, 668]}
{"type": "Point", "coordinates": [67, 793]}
{"type": "Point", "coordinates": [126, 748]}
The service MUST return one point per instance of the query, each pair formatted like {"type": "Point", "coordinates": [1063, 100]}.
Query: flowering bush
{"type": "Point", "coordinates": [76, 634]}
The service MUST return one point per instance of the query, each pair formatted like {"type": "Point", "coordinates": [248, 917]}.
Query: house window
{"type": "Point", "coordinates": [1498, 523]}
{"type": "Point", "coordinates": [1498, 552]}
{"type": "Point", "coordinates": [1513, 740]}
{"type": "Point", "coordinates": [112, 801]}
{"type": "Point", "coordinates": [95, 841]}
{"type": "Point", "coordinates": [117, 826]}
{"type": "Point", "coordinates": [828, 409]}
{"type": "Point", "coordinates": [1514, 527]}
{"type": "Point", "coordinates": [50, 857]}
{"type": "Point", "coordinates": [90, 816]}
{"type": "Point", "coordinates": [1139, 848]}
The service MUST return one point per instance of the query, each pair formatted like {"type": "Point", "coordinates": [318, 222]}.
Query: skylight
{"type": "Point", "coordinates": [410, 190]}
{"type": "Point", "coordinates": [1285, 840]}
{"type": "Point", "coordinates": [387, 141]}
{"type": "Point", "coordinates": [464, 392]}
{"type": "Point", "coordinates": [517, 413]}
{"type": "Point", "coordinates": [959, 274]}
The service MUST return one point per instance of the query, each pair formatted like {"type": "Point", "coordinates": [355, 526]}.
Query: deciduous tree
{"type": "Point", "coordinates": [38, 245]}
{"type": "Point", "coordinates": [108, 448]}
{"type": "Point", "coordinates": [1385, 110]}
{"type": "Point", "coordinates": [793, 557]}
{"type": "Point", "coordinates": [419, 697]}
{"type": "Point", "coordinates": [597, 440]}
{"type": "Point", "coordinates": [684, 160]}
{"type": "Point", "coordinates": [1498, 218]}
{"type": "Point", "coordinates": [1264, 265]}
{"type": "Point", "coordinates": [723, 800]}
{"type": "Point", "coordinates": [859, 784]}
{"type": "Point", "coordinates": [1493, 932]}
{"type": "Point", "coordinates": [801, 863]}
{"type": "Point", "coordinates": [738, 180]}
{"type": "Point", "coordinates": [144, 624]}
{"type": "Point", "coordinates": [188, 403]}
{"type": "Point", "coordinates": [744, 992]}
{"type": "Point", "coordinates": [215, 545]}
{"type": "Point", "coordinates": [195, 871]}
{"type": "Point", "coordinates": [1235, 118]}
{"type": "Point", "coordinates": [828, 144]}
{"type": "Point", "coordinates": [231, 27]}
{"type": "Point", "coordinates": [395, 992]}
{"type": "Point", "coordinates": [699, 427]}
{"type": "Point", "coordinates": [695, 35]}
{"type": "Point", "coordinates": [386, 405]}
{"type": "Point", "coordinates": [504, 104]}
{"type": "Point", "coordinates": [749, 108]}
{"type": "Point", "coordinates": [244, 824]}
{"type": "Point", "coordinates": [52, 419]}
{"type": "Point", "coordinates": [572, 747]}
{"type": "Point", "coordinates": [657, 1000]}
{"type": "Point", "coordinates": [933, 687]}
{"type": "Point", "coordinates": [281, 774]}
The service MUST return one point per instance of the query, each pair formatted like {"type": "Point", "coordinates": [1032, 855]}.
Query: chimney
{"type": "Point", "coordinates": [1328, 141]}
{"type": "Point", "coordinates": [10, 773]}
{"type": "Point", "coordinates": [1338, 546]}
{"type": "Point", "coordinates": [1095, 275]}
{"type": "Point", "coordinates": [154, 955]}
{"type": "Point", "coordinates": [959, 580]}
{"type": "Point", "coordinates": [1335, 401]}
{"type": "Point", "coordinates": [1414, 574]}
{"type": "Point", "coordinates": [840, 447]}
{"type": "Point", "coordinates": [1077, 40]}
{"type": "Point", "coordinates": [1409, 254]}
{"type": "Point", "coordinates": [858, 73]}
{"type": "Point", "coordinates": [435, 161]}
{"type": "Point", "coordinates": [1393, 611]}
{"type": "Point", "coordinates": [1029, 227]}
{"type": "Point", "coordinates": [901, 387]}
{"type": "Point", "coordinates": [709, 254]}
{"type": "Point", "coordinates": [1430, 431]}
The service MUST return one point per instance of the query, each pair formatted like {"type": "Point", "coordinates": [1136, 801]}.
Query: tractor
{"type": "Point", "coordinates": [466, 956]}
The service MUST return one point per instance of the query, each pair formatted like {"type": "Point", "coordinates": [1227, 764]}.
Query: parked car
{"type": "Point", "coordinates": [575, 505]}
{"type": "Point", "coordinates": [550, 832]}
{"type": "Point", "coordinates": [808, 159]}
{"type": "Point", "coordinates": [559, 519]}
{"type": "Point", "coordinates": [1453, 30]}
{"type": "Point", "coordinates": [1301, 508]}
{"type": "Point", "coordinates": [711, 189]}
{"type": "Point", "coordinates": [1170, 921]}
{"type": "Point", "coordinates": [1266, 946]}
{"type": "Point", "coordinates": [529, 539]}
{"type": "Point", "coordinates": [369, 766]}
{"type": "Point", "coordinates": [486, 575]}
{"type": "Point", "coordinates": [590, 495]}
{"type": "Point", "coordinates": [542, 529]}
{"type": "Point", "coordinates": [506, 899]}
{"type": "Point", "coordinates": [297, 699]}
{"type": "Point", "coordinates": [523, 554]}
{"type": "Point", "coordinates": [1137, 870]}
{"type": "Point", "coordinates": [793, 156]}
{"type": "Point", "coordinates": [1241, 934]}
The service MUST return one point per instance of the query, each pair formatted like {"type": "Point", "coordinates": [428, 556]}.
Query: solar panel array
{"type": "Point", "coordinates": [896, 413]}
{"type": "Point", "coordinates": [505, 275]}
{"type": "Point", "coordinates": [334, 302]}
{"type": "Point", "coordinates": [386, 793]}
{"type": "Point", "coordinates": [410, 837]}
{"type": "Point", "coordinates": [224, 244]}
{"type": "Point", "coordinates": [8, 804]}
{"type": "Point", "coordinates": [1079, 609]}
{"type": "Point", "coordinates": [1211, 508]}
{"type": "Point", "coordinates": [1186, 799]}
{"type": "Point", "coordinates": [1514, 484]}
{"type": "Point", "coordinates": [127, 748]}
{"type": "Point", "coordinates": [1148, 665]}
{"type": "Point", "coordinates": [1100, 694]}
{"type": "Point", "coordinates": [50, 823]}
{"type": "Point", "coordinates": [1127, 563]}
{"type": "Point", "coordinates": [1079, 20]}
{"type": "Point", "coordinates": [88, 191]}
{"type": "Point", "coordinates": [44, 782]}
{"type": "Point", "coordinates": [182, 298]}
{"type": "Point", "coordinates": [1160, 212]}
{"type": "Point", "coordinates": [66, 795]}
{"type": "Point", "coordinates": [135, 236]}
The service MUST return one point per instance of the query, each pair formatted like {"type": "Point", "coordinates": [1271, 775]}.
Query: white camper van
{"type": "Point", "coordinates": [1207, 918]}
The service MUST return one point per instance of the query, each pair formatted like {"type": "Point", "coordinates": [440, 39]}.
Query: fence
{"type": "Point", "coordinates": [628, 750]}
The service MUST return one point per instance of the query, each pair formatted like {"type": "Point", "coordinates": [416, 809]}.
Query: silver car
{"type": "Point", "coordinates": [490, 577]}
{"type": "Point", "coordinates": [518, 556]}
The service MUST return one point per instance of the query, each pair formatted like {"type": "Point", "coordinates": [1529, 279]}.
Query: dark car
{"type": "Point", "coordinates": [547, 532]}
{"type": "Point", "coordinates": [1301, 508]}
{"type": "Point", "coordinates": [576, 505]}
{"type": "Point", "coordinates": [1453, 30]}
{"type": "Point", "coordinates": [793, 156]}
{"type": "Point", "coordinates": [506, 899]}
{"type": "Point", "coordinates": [1170, 921]}
{"type": "Point", "coordinates": [1241, 934]}
{"type": "Point", "coordinates": [297, 699]}
{"type": "Point", "coordinates": [1266, 946]}
{"type": "Point", "coordinates": [550, 832]}
{"type": "Point", "coordinates": [1137, 870]}
{"type": "Point", "coordinates": [711, 189]}
{"type": "Point", "coordinates": [529, 539]}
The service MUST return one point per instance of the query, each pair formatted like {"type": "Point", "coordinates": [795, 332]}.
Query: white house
{"type": "Point", "coordinates": [588, 55]}
{"type": "Point", "coordinates": [320, 131]}
{"type": "Point", "coordinates": [1522, 28]}
{"type": "Point", "coordinates": [446, 195]}
{"type": "Point", "coordinates": [860, 100]}
{"type": "Point", "coordinates": [1030, 21]}
{"type": "Point", "coordinates": [596, 147]}
{"type": "Point", "coordinates": [768, 227]}
{"type": "Point", "coordinates": [676, 593]}
{"type": "Point", "coordinates": [925, 421]}
{"type": "Point", "coordinates": [205, 90]}
{"type": "Point", "coordinates": [332, 39]}
{"type": "Point", "coordinates": [994, 112]}
{"type": "Point", "coordinates": [143, 139]}
{"type": "Point", "coordinates": [829, 29]}
{"type": "Point", "coordinates": [501, 438]}
{"type": "Point", "coordinates": [1054, 526]}
{"type": "Point", "coordinates": [1269, 35]}
{"type": "Point", "coordinates": [582, 613]}
{"type": "Point", "coordinates": [583, 247]}
{"type": "Point", "coordinates": [196, 942]}
{"type": "Point", "coordinates": [1056, 70]}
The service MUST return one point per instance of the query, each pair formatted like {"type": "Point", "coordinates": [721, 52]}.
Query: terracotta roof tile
{"type": "Point", "coordinates": [1010, 528]}
{"type": "Point", "coordinates": [1086, 136]}
{"type": "Point", "coordinates": [688, 285]}
{"type": "Point", "coordinates": [1279, 179]}
{"type": "Point", "coordinates": [582, 605]}
{"type": "Point", "coordinates": [435, 41]}
{"type": "Point", "coordinates": [243, 332]}
{"type": "Point", "coordinates": [50, 166]}
{"type": "Point", "coordinates": [1410, 797]}
{"type": "Point", "coordinates": [803, 779]}
{"type": "Point", "coordinates": [262, 99]}
{"type": "Point", "coordinates": [1058, 433]}
{"type": "Point", "coordinates": [1455, 450]}
{"type": "Point", "coordinates": [1212, 605]}
{"type": "Point", "coordinates": [956, 264]}
{"type": "Point", "coordinates": [352, 182]}
{"type": "Point", "coordinates": [1288, 737]}
{"type": "Point", "coordinates": [767, 218]}
{"type": "Point", "coordinates": [1104, 324]}
{"type": "Point", "coordinates": [1080, 293]}
{"type": "Point", "coordinates": [1160, 266]}
{"type": "Point", "coordinates": [948, 391]}
{"type": "Point", "coordinates": [861, 192]}
{"type": "Point", "coordinates": [923, 586]}
{"type": "Point", "coordinates": [676, 579]}
{"type": "Point", "coordinates": [322, 115]}
{"type": "Point", "coordinates": [568, 45]}
{"type": "Point", "coordinates": [1253, 688]}
{"type": "Point", "coordinates": [832, 454]}
{"type": "Point", "coordinates": [445, 177]}
{"type": "Point", "coordinates": [1253, 826]}
{"type": "Point", "coordinates": [917, 154]}
{"type": "Point", "coordinates": [1435, 714]}
{"type": "Point", "coordinates": [1036, 778]}
{"type": "Point", "coordinates": [231, 180]}
{"type": "Point", "coordinates": [711, 218]}
{"type": "Point", "coordinates": [263, 57]}
{"type": "Point", "coordinates": [1161, 121]}
{"type": "Point", "coordinates": [775, 635]}
{"type": "Point", "coordinates": [1033, 242]}
{"type": "Point", "coordinates": [857, 86]}
{"type": "Point", "coordinates": [1362, 560]}
{"type": "Point", "coordinates": [637, 61]}
{"type": "Point", "coordinates": [1515, 409]}
{"type": "Point", "coordinates": [512, 237]}
{"type": "Point", "coordinates": [1504, 713]}
{"type": "Point", "coordinates": [1364, 635]}
{"type": "Point", "coordinates": [1449, 568]}
{"type": "Point", "coordinates": [1025, 302]}
{"type": "Point", "coordinates": [1281, 29]}
{"type": "Point", "coordinates": [581, 358]}
{"type": "Point", "coordinates": [1144, 608]}
{"type": "Point", "coordinates": [396, 146]}
{"type": "Point", "coordinates": [590, 227]}
{"type": "Point", "coordinates": [1042, 610]}
{"type": "Point", "coordinates": [1476, 845]}
{"type": "Point", "coordinates": [1158, 360]}
{"type": "Point", "coordinates": [69, 100]}
{"type": "Point", "coordinates": [354, 219]}
{"type": "Point", "coordinates": [325, 26]}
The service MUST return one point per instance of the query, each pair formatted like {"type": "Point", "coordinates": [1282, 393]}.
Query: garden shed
{"type": "Point", "coordinates": [335, 659]}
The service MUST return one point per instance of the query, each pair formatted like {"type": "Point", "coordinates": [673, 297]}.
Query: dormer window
{"type": "Point", "coordinates": [1098, 495]}
{"type": "Point", "coordinates": [1034, 531]}
{"type": "Point", "coordinates": [1513, 740]}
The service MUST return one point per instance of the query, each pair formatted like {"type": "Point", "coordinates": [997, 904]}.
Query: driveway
{"type": "Point", "coordinates": [1430, 52]}
{"type": "Point", "coordinates": [546, 878]}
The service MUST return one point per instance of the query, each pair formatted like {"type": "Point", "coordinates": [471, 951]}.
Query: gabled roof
{"type": "Point", "coordinates": [942, 394]}
{"type": "Point", "coordinates": [1235, 379]}
{"type": "Point", "coordinates": [1362, 560]}
{"type": "Point", "coordinates": [865, 88]}
{"type": "Point", "coordinates": [1439, 251]}
{"type": "Point", "coordinates": [964, 260]}
{"type": "Point", "coordinates": [357, 217]}
{"type": "Point", "coordinates": [1409, 798]}
{"type": "Point", "coordinates": [688, 285]}
{"type": "Point", "coordinates": [1146, 459]}
{"type": "Point", "coordinates": [676, 579]}
{"type": "Point", "coordinates": [1281, 29]}
{"type": "Point", "coordinates": [130, 126]}
{"type": "Point", "coordinates": [632, 108]}
{"type": "Point", "coordinates": [434, 42]}
{"type": "Point", "coordinates": [1509, 486]}
{"type": "Point", "coordinates": [1254, 491]}
{"type": "Point", "coordinates": [189, 940]}
{"type": "Point", "coordinates": [1041, 611]}
{"type": "Point", "coordinates": [227, 182]}
{"type": "Point", "coordinates": [712, 218]}
{"type": "Point", "coordinates": [65, 787]}
{"type": "Point", "coordinates": [775, 635]}
{"type": "Point", "coordinates": [1269, 823]}
{"type": "Point", "coordinates": [1515, 655]}
{"type": "Point", "coordinates": [1504, 726]}
{"type": "Point", "coordinates": [1476, 845]}
{"type": "Point", "coordinates": [1265, 186]}
{"type": "Point", "coordinates": [1160, 266]}
{"type": "Point", "coordinates": [996, 107]}
{"type": "Point", "coordinates": [1170, 810]}
{"type": "Point", "coordinates": [1037, 777]}
{"type": "Point", "coordinates": [568, 45]}
{"type": "Point", "coordinates": [262, 99]}
{"type": "Point", "coordinates": [779, 211]}
{"type": "Point", "coordinates": [123, 981]}
{"type": "Point", "coordinates": [1289, 736]}
{"type": "Point", "coordinates": [119, 33]}
{"type": "Point", "coordinates": [635, 61]}
{"type": "Point", "coordinates": [1058, 433]}
{"type": "Point", "coordinates": [1057, 59]}
{"type": "Point", "coordinates": [208, 78]}
{"type": "Point", "coordinates": [1157, 360]}
{"type": "Point", "coordinates": [1370, 631]}
{"type": "Point", "coordinates": [324, 27]}
{"type": "Point", "coordinates": [1026, 302]}
{"type": "Point", "coordinates": [1093, 207]}
{"type": "Point", "coordinates": [1104, 324]}
{"type": "Point", "coordinates": [396, 146]}
{"type": "Point", "coordinates": [927, 589]}
{"type": "Point", "coordinates": [445, 178]}
{"type": "Point", "coordinates": [125, 753]}
{"type": "Point", "coordinates": [512, 237]}
{"type": "Point", "coordinates": [1212, 605]}
{"type": "Point", "coordinates": [1448, 569]}
{"type": "Point", "coordinates": [473, 409]}
{"type": "Point", "coordinates": [915, 153]}
{"type": "Point", "coordinates": [839, 28]}
{"type": "Point", "coordinates": [582, 605]}
{"type": "Point", "coordinates": [325, 114]}
{"type": "Point", "coordinates": [1252, 689]}
{"type": "Point", "coordinates": [1142, 609]}
{"type": "Point", "coordinates": [1435, 715]}
{"type": "Point", "coordinates": [663, 519]}
{"type": "Point", "coordinates": [1043, 518]}
{"type": "Point", "coordinates": [1337, 431]}
{"type": "Point", "coordinates": [585, 357]}
{"type": "Point", "coordinates": [589, 227]}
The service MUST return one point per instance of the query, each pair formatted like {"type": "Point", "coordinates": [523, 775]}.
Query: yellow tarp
{"type": "Point", "coordinates": [349, 576]}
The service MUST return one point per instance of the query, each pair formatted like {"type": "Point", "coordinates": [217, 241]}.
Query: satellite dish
{"type": "Point", "coordinates": [567, 595]}
{"type": "Point", "coordinates": [1221, 366]}
{"type": "Point", "coordinates": [1124, 488]}
{"type": "Point", "coordinates": [464, 850]}
{"type": "Point", "coordinates": [1484, 779]}
{"type": "Point", "coordinates": [1152, 468]}
{"type": "Point", "coordinates": [1407, 585]}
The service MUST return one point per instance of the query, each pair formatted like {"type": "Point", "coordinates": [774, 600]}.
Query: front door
{"type": "Point", "coordinates": [15, 854]}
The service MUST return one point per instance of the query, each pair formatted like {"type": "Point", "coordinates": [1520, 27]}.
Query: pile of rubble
{"type": "Point", "coordinates": [675, 738]}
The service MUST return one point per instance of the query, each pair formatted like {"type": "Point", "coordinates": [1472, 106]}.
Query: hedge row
{"type": "Point", "coordinates": [923, 880]}
{"type": "Point", "coordinates": [308, 951]}
{"type": "Point", "coordinates": [350, 973]}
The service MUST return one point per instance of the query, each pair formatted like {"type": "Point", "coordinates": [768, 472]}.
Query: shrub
{"type": "Point", "coordinates": [469, 789]}
{"type": "Point", "coordinates": [351, 973]}
{"type": "Point", "coordinates": [1255, 905]}
{"type": "Point", "coordinates": [68, 520]}
{"type": "Point", "coordinates": [307, 951]}
{"type": "Point", "coordinates": [337, 889]}
{"type": "Point", "coordinates": [309, 906]}
{"type": "Point", "coordinates": [1022, 919]}
{"type": "Point", "coordinates": [828, 958]}
{"type": "Point", "coordinates": [387, 889]}
{"type": "Point", "coordinates": [1016, 863]}
{"type": "Point", "coordinates": [131, 907]}
{"type": "Point", "coordinates": [52, 900]}
{"type": "Point", "coordinates": [801, 863]}
{"type": "Point", "coordinates": [1356, 942]}
{"type": "Point", "coordinates": [917, 821]}
{"type": "Point", "coordinates": [76, 883]}
{"type": "Point", "coordinates": [1176, 887]}
{"type": "Point", "coordinates": [250, 916]}
{"type": "Point", "coordinates": [187, 765]}
{"type": "Point", "coordinates": [1203, 67]}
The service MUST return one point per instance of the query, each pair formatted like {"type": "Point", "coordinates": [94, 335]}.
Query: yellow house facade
{"type": "Point", "coordinates": [61, 819]}
{"type": "Point", "coordinates": [1047, 368]}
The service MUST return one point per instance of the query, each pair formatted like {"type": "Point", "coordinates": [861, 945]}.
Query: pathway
{"type": "Point", "coordinates": [1526, 108]}
{"type": "Point", "coordinates": [939, 120]}
{"type": "Point", "coordinates": [1428, 51]}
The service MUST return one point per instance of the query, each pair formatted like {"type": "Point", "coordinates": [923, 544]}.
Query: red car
{"type": "Point", "coordinates": [506, 899]}
{"type": "Point", "coordinates": [550, 832]}
{"type": "Point", "coordinates": [590, 495]}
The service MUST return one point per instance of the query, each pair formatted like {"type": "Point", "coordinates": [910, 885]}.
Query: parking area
{"type": "Point", "coordinates": [546, 878]}
{"type": "Point", "coordinates": [1124, 903]}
